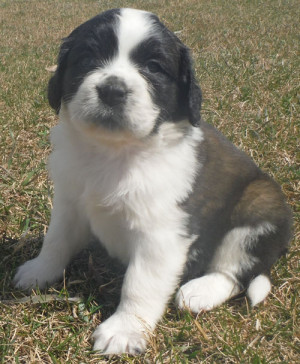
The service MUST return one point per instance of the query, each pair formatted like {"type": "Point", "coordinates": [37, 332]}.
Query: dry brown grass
{"type": "Point", "coordinates": [247, 61]}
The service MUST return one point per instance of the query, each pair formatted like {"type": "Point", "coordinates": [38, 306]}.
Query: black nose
{"type": "Point", "coordinates": [113, 91]}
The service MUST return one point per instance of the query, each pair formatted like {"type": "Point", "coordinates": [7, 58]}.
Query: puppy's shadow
{"type": "Point", "coordinates": [96, 274]}
{"type": "Point", "coordinates": [92, 274]}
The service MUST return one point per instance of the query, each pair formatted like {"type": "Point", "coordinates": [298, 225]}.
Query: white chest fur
{"type": "Point", "coordinates": [130, 190]}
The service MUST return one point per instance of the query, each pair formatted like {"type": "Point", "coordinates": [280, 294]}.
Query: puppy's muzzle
{"type": "Point", "coordinates": [113, 91]}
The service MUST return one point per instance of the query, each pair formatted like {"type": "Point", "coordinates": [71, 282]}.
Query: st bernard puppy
{"type": "Point", "coordinates": [134, 165]}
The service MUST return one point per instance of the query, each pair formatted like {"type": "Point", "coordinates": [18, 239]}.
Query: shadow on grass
{"type": "Point", "coordinates": [92, 274]}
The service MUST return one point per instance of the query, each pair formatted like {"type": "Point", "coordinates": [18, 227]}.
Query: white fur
{"type": "Point", "coordinates": [129, 37]}
{"type": "Point", "coordinates": [232, 256]}
{"type": "Point", "coordinates": [121, 333]}
{"type": "Point", "coordinates": [258, 289]}
{"type": "Point", "coordinates": [207, 292]}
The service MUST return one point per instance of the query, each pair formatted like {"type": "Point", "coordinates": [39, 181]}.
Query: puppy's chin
{"type": "Point", "coordinates": [115, 129]}
{"type": "Point", "coordinates": [109, 130]}
{"type": "Point", "coordinates": [116, 138]}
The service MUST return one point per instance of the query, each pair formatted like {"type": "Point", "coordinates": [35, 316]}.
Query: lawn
{"type": "Point", "coordinates": [247, 62]}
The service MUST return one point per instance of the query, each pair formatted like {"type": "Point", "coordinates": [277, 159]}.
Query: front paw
{"type": "Point", "coordinates": [36, 272]}
{"type": "Point", "coordinates": [121, 333]}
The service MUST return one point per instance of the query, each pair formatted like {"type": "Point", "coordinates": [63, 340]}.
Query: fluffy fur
{"type": "Point", "coordinates": [134, 165]}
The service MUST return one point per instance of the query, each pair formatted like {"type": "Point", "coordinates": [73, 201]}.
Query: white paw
{"type": "Point", "coordinates": [121, 333]}
{"type": "Point", "coordinates": [205, 293]}
{"type": "Point", "coordinates": [36, 272]}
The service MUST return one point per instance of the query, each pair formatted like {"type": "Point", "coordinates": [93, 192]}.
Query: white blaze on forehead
{"type": "Point", "coordinates": [139, 114]}
{"type": "Point", "coordinates": [135, 26]}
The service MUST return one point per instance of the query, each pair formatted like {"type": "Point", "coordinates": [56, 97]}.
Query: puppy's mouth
{"type": "Point", "coordinates": [111, 118]}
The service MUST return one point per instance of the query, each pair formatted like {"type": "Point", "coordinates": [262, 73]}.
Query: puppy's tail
{"type": "Point", "coordinates": [258, 289]}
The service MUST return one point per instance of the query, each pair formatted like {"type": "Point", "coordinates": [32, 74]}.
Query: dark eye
{"type": "Point", "coordinates": [86, 62]}
{"type": "Point", "coordinates": [83, 60]}
{"type": "Point", "coordinates": [154, 67]}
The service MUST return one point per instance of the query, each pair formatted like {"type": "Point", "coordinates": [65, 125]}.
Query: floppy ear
{"type": "Point", "coordinates": [190, 91]}
{"type": "Point", "coordinates": [55, 85]}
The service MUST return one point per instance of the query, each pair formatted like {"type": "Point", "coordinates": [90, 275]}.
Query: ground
{"type": "Point", "coordinates": [247, 62]}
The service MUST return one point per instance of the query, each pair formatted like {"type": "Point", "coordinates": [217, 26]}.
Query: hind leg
{"type": "Point", "coordinates": [207, 292]}
{"type": "Point", "coordinates": [232, 260]}
{"type": "Point", "coordinates": [211, 290]}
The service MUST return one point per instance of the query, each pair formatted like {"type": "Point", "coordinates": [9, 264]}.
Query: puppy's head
{"type": "Point", "coordinates": [124, 71]}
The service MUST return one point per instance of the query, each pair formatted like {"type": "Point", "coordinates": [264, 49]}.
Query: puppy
{"type": "Point", "coordinates": [134, 165]}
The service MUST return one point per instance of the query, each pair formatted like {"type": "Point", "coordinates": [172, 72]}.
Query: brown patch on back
{"type": "Point", "coordinates": [261, 201]}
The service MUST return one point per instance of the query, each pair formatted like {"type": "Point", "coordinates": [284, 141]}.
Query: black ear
{"type": "Point", "coordinates": [55, 85]}
{"type": "Point", "coordinates": [190, 91]}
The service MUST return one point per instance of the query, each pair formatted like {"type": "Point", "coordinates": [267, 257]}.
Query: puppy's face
{"type": "Point", "coordinates": [124, 72]}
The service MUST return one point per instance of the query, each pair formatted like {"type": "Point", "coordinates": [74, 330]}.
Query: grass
{"type": "Point", "coordinates": [247, 61]}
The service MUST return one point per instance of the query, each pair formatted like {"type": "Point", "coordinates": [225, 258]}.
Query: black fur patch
{"type": "Point", "coordinates": [85, 49]}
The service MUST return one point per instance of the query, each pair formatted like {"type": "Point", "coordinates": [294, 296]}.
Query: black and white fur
{"type": "Point", "coordinates": [134, 165]}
